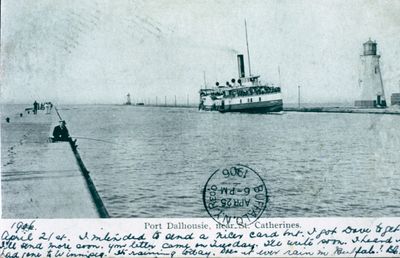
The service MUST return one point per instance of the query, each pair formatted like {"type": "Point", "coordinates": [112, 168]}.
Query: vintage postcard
{"type": "Point", "coordinates": [174, 128]}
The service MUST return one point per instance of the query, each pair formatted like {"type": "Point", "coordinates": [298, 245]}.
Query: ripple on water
{"type": "Point", "coordinates": [313, 164]}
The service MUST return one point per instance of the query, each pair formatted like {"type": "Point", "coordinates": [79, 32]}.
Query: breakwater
{"type": "Point", "coordinates": [101, 209]}
{"type": "Point", "coordinates": [387, 111]}
{"type": "Point", "coordinates": [41, 179]}
{"type": "Point", "coordinates": [316, 109]}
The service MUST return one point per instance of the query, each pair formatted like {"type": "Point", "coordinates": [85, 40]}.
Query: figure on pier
{"type": "Point", "coordinates": [60, 133]}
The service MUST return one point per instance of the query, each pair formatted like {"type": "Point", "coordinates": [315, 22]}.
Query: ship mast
{"type": "Point", "coordinates": [204, 77]}
{"type": "Point", "coordinates": [247, 44]}
{"type": "Point", "coordinates": [279, 74]}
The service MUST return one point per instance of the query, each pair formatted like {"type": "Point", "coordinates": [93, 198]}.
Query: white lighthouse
{"type": "Point", "coordinates": [372, 92]}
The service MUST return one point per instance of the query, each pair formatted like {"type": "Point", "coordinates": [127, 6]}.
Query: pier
{"type": "Point", "coordinates": [380, 111]}
{"type": "Point", "coordinates": [42, 179]}
{"type": "Point", "coordinates": [315, 109]}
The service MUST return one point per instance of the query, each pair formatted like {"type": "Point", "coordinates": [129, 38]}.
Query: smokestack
{"type": "Point", "coordinates": [241, 66]}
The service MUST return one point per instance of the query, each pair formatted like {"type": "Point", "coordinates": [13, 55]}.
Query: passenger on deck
{"type": "Point", "coordinates": [60, 133]}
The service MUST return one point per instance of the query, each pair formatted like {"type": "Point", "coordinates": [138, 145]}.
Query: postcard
{"type": "Point", "coordinates": [200, 129]}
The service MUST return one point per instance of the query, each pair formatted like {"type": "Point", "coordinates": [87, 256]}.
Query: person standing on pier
{"type": "Point", "coordinates": [47, 107]}
{"type": "Point", "coordinates": [60, 133]}
{"type": "Point", "coordinates": [35, 107]}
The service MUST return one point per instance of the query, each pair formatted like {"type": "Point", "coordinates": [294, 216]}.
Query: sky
{"type": "Point", "coordinates": [74, 51]}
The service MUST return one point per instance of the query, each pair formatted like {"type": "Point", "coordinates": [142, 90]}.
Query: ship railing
{"type": "Point", "coordinates": [251, 92]}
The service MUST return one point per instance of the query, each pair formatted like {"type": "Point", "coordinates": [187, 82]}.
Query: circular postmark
{"type": "Point", "coordinates": [235, 194]}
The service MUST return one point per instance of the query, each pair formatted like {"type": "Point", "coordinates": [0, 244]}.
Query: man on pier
{"type": "Point", "coordinates": [60, 132]}
{"type": "Point", "coordinates": [35, 107]}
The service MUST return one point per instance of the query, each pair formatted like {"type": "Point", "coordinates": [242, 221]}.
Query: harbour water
{"type": "Point", "coordinates": [155, 161]}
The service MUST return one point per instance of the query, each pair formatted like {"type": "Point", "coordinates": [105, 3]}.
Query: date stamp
{"type": "Point", "coordinates": [235, 194]}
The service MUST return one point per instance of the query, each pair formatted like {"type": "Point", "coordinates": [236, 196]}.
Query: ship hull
{"type": "Point", "coordinates": [255, 107]}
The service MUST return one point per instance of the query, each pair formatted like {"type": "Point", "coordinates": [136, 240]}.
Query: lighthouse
{"type": "Point", "coordinates": [128, 99]}
{"type": "Point", "coordinates": [372, 92]}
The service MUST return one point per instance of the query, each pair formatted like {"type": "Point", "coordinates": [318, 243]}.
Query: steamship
{"type": "Point", "coordinates": [246, 94]}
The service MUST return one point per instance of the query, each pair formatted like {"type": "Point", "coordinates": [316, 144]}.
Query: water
{"type": "Point", "coordinates": [157, 160]}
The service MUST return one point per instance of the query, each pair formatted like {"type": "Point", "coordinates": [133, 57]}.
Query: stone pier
{"type": "Point", "coordinates": [40, 179]}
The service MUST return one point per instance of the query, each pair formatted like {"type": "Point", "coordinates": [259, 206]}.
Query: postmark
{"type": "Point", "coordinates": [235, 195]}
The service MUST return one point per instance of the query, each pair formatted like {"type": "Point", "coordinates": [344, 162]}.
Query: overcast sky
{"type": "Point", "coordinates": [98, 51]}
